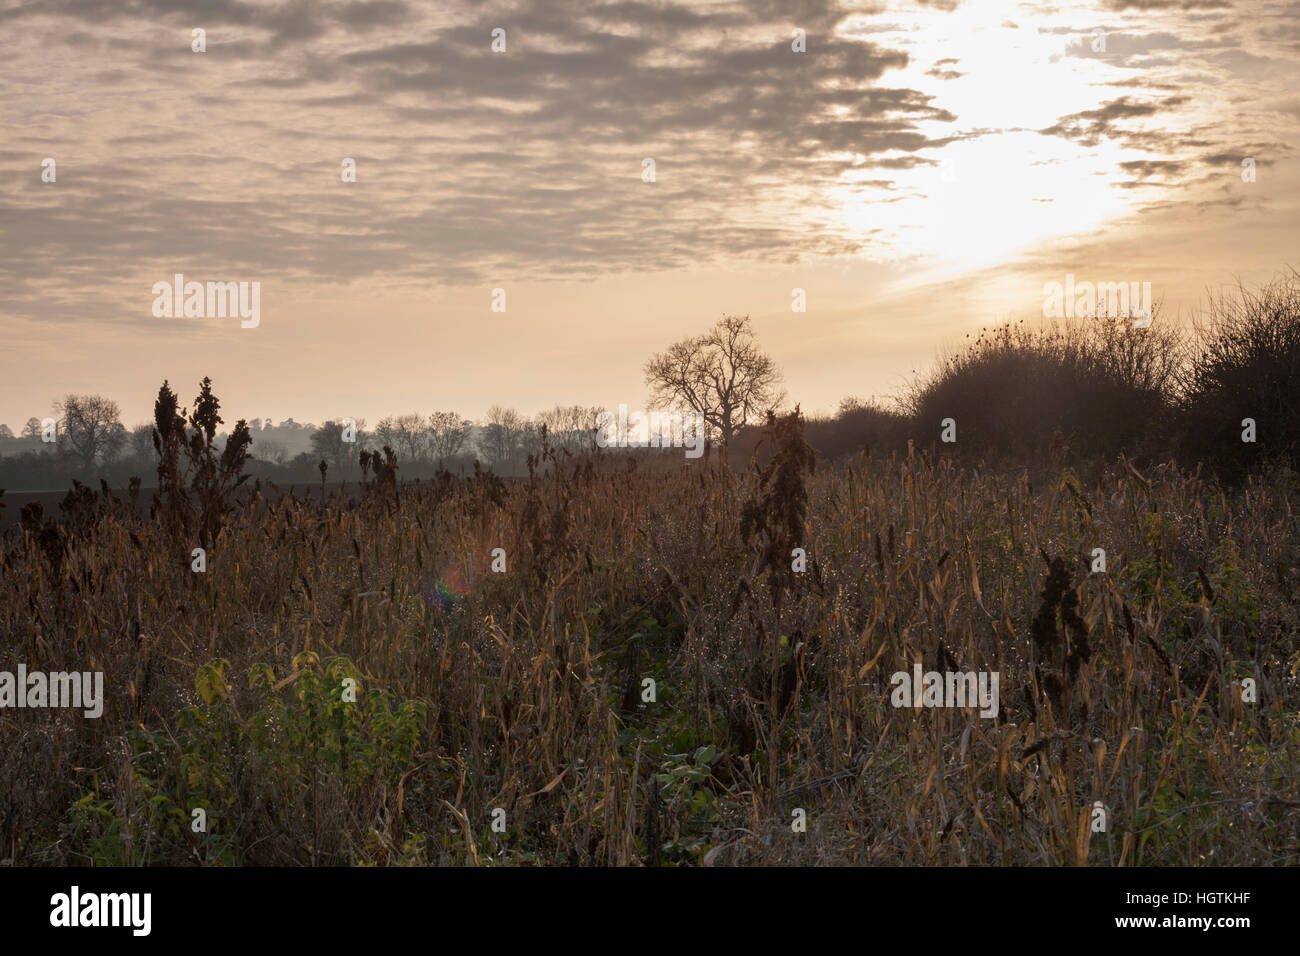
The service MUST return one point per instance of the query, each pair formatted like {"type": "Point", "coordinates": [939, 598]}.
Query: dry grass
{"type": "Point", "coordinates": [522, 690]}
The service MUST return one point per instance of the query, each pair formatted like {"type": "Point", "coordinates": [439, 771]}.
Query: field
{"type": "Point", "coordinates": [1147, 714]}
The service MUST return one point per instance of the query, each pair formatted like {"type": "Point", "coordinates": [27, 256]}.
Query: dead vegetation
{"type": "Point", "coordinates": [525, 690]}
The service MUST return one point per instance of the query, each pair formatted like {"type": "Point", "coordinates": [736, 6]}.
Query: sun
{"type": "Point", "coordinates": [993, 185]}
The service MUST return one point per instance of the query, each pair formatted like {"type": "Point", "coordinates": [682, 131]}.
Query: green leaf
{"type": "Point", "coordinates": [210, 681]}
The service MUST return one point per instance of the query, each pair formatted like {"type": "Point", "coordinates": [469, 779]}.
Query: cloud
{"type": "Point", "coordinates": [1152, 167]}
{"type": "Point", "coordinates": [1164, 5]}
{"type": "Point", "coordinates": [471, 164]}
{"type": "Point", "coordinates": [1090, 127]}
{"type": "Point", "coordinates": [475, 166]}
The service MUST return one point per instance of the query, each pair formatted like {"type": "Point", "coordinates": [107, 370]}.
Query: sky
{"type": "Point", "coordinates": [919, 169]}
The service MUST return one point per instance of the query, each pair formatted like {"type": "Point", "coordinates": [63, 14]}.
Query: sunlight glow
{"type": "Point", "coordinates": [997, 185]}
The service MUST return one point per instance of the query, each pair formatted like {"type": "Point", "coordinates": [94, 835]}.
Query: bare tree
{"type": "Point", "coordinates": [572, 427]}
{"type": "Point", "coordinates": [386, 432]}
{"type": "Point", "coordinates": [408, 436]}
{"type": "Point", "coordinates": [91, 424]}
{"type": "Point", "coordinates": [327, 442]}
{"type": "Point", "coordinates": [140, 443]}
{"type": "Point", "coordinates": [32, 429]}
{"type": "Point", "coordinates": [721, 374]}
{"type": "Point", "coordinates": [447, 434]}
{"type": "Point", "coordinates": [553, 420]}
{"type": "Point", "coordinates": [116, 442]}
{"type": "Point", "coordinates": [6, 432]}
{"type": "Point", "coordinates": [504, 436]}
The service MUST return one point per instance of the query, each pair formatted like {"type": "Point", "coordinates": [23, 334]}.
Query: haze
{"type": "Point", "coordinates": [920, 170]}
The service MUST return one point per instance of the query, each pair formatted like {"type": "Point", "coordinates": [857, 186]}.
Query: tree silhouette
{"type": "Point", "coordinates": [91, 425]}
{"type": "Point", "coordinates": [721, 374]}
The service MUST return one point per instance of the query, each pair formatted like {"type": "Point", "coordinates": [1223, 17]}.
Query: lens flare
{"type": "Point", "coordinates": [450, 588]}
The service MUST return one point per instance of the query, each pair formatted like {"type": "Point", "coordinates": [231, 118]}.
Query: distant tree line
{"type": "Point", "coordinates": [90, 442]}
{"type": "Point", "coordinates": [1224, 393]}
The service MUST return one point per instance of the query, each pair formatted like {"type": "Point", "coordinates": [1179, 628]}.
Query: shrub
{"type": "Point", "coordinates": [858, 427]}
{"type": "Point", "coordinates": [1093, 387]}
{"type": "Point", "coordinates": [1245, 363]}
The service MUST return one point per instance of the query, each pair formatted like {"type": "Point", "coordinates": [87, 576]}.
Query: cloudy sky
{"type": "Point", "coordinates": [921, 169]}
